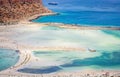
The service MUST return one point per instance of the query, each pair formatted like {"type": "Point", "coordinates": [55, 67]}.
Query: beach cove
{"type": "Point", "coordinates": [75, 38]}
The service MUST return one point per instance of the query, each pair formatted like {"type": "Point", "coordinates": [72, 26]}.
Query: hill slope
{"type": "Point", "coordinates": [15, 10]}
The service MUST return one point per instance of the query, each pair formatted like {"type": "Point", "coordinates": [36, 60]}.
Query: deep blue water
{"type": "Point", "coordinates": [85, 12]}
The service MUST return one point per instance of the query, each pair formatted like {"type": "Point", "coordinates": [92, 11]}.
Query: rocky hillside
{"type": "Point", "coordinates": [15, 10]}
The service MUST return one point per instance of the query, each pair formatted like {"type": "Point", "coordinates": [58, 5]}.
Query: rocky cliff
{"type": "Point", "coordinates": [15, 10]}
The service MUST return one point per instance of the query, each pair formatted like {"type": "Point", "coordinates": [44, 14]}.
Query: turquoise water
{"type": "Point", "coordinates": [75, 61]}
{"type": "Point", "coordinates": [8, 58]}
{"type": "Point", "coordinates": [84, 18]}
{"type": "Point", "coordinates": [82, 12]}
{"type": "Point", "coordinates": [113, 32]}
{"type": "Point", "coordinates": [106, 43]}
{"type": "Point", "coordinates": [53, 36]}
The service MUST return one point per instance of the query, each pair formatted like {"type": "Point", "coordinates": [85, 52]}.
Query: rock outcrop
{"type": "Point", "coordinates": [16, 10]}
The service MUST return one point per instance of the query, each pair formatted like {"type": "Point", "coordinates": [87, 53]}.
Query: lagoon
{"type": "Point", "coordinates": [105, 42]}
{"type": "Point", "coordinates": [8, 58]}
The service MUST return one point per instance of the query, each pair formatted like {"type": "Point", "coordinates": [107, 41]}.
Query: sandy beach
{"type": "Point", "coordinates": [9, 33]}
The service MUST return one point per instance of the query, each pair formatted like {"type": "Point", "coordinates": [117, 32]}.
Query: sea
{"type": "Point", "coordinates": [84, 12]}
{"type": "Point", "coordinates": [79, 12]}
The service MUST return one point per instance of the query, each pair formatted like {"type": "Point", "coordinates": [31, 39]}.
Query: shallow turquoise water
{"type": "Point", "coordinates": [8, 58]}
{"type": "Point", "coordinates": [106, 43]}
{"type": "Point", "coordinates": [53, 36]}
{"type": "Point", "coordinates": [113, 33]}
{"type": "Point", "coordinates": [75, 61]}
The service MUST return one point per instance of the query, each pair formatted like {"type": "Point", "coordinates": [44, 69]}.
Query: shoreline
{"type": "Point", "coordinates": [36, 16]}
{"type": "Point", "coordinates": [41, 15]}
{"type": "Point", "coordinates": [82, 27]}
{"type": "Point", "coordinates": [62, 25]}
